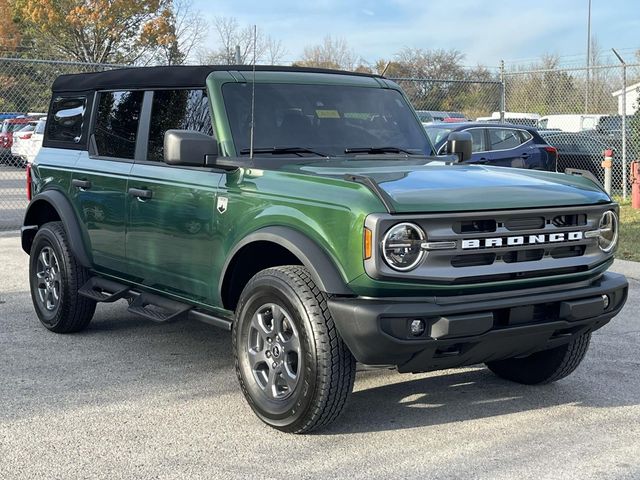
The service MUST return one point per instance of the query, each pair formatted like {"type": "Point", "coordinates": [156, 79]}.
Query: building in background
{"type": "Point", "coordinates": [632, 92]}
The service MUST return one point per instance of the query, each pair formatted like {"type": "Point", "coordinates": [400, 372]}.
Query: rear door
{"type": "Point", "coordinates": [507, 148]}
{"type": "Point", "coordinates": [99, 181]}
{"type": "Point", "coordinates": [170, 231]}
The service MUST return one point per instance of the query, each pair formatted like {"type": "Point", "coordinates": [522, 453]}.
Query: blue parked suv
{"type": "Point", "coordinates": [499, 144]}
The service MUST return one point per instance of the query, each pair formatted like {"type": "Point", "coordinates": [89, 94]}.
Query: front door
{"type": "Point", "coordinates": [171, 210]}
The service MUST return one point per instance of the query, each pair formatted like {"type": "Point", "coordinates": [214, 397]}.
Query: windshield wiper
{"type": "Point", "coordinates": [374, 150]}
{"type": "Point", "coordinates": [280, 150]}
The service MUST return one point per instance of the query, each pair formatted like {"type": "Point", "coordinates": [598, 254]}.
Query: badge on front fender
{"type": "Point", "coordinates": [222, 204]}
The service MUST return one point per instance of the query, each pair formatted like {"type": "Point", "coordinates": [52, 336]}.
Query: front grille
{"type": "Point", "coordinates": [526, 223]}
{"type": "Point", "coordinates": [570, 220]}
{"type": "Point", "coordinates": [569, 251]}
{"type": "Point", "coordinates": [475, 226]}
{"type": "Point", "coordinates": [499, 246]}
{"type": "Point", "coordinates": [523, 255]}
{"type": "Point", "coordinates": [460, 261]}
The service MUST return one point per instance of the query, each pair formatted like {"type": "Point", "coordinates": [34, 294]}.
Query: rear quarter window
{"type": "Point", "coordinates": [66, 123]}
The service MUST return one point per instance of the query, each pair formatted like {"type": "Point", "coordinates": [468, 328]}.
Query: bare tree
{"type": "Point", "coordinates": [417, 62]}
{"type": "Point", "coordinates": [182, 29]}
{"type": "Point", "coordinates": [331, 53]}
{"type": "Point", "coordinates": [231, 35]}
{"type": "Point", "coordinates": [275, 51]}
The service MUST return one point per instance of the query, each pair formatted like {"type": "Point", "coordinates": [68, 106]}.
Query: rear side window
{"type": "Point", "coordinates": [66, 119]}
{"type": "Point", "coordinates": [503, 138]}
{"type": "Point", "coordinates": [116, 127]}
{"type": "Point", "coordinates": [524, 136]}
{"type": "Point", "coordinates": [176, 109]}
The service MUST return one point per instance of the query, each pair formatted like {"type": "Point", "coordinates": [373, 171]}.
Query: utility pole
{"type": "Point", "coordinates": [586, 89]}
{"type": "Point", "coordinates": [238, 58]}
{"type": "Point", "coordinates": [503, 92]}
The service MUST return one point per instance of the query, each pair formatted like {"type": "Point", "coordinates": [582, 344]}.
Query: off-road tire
{"type": "Point", "coordinates": [543, 367]}
{"type": "Point", "coordinates": [72, 312]}
{"type": "Point", "coordinates": [327, 367]}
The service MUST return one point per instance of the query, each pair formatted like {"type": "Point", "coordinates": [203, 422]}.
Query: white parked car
{"type": "Point", "coordinates": [517, 118]}
{"type": "Point", "coordinates": [28, 140]}
{"type": "Point", "coordinates": [570, 122]}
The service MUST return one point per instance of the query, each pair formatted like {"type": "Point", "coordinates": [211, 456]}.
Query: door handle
{"type": "Point", "coordinates": [482, 161]}
{"type": "Point", "coordinates": [81, 184]}
{"type": "Point", "coordinates": [140, 193]}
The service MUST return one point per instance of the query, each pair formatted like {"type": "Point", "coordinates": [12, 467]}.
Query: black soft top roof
{"type": "Point", "coordinates": [165, 77]}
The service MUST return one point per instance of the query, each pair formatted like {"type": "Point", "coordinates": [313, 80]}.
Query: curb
{"type": "Point", "coordinates": [627, 268]}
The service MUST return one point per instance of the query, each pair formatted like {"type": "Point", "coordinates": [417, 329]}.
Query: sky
{"type": "Point", "coordinates": [485, 31]}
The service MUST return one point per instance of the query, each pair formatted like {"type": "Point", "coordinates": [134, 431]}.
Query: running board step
{"type": "Point", "coordinates": [158, 309]}
{"type": "Point", "coordinates": [103, 290]}
{"type": "Point", "coordinates": [204, 317]}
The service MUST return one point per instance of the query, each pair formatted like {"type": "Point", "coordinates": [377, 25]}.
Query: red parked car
{"type": "Point", "coordinates": [7, 128]}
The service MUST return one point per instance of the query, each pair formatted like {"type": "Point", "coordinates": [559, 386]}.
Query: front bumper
{"type": "Point", "coordinates": [470, 329]}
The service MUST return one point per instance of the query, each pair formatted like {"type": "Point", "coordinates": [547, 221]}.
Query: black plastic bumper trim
{"type": "Point", "coordinates": [364, 324]}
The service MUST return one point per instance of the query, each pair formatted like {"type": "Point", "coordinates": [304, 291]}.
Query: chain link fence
{"type": "Point", "coordinates": [583, 112]}
{"type": "Point", "coordinates": [25, 92]}
{"type": "Point", "coordinates": [577, 110]}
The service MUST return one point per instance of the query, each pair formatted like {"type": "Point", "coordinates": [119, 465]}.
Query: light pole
{"type": "Point", "coordinates": [586, 89]}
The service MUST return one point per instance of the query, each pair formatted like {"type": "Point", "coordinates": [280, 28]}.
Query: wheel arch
{"type": "Point", "coordinates": [277, 246]}
{"type": "Point", "coordinates": [51, 206]}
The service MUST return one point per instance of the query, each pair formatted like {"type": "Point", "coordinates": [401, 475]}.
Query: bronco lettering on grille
{"type": "Point", "coordinates": [513, 241]}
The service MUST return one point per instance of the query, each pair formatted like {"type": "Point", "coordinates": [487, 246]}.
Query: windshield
{"type": "Point", "coordinates": [322, 118]}
{"type": "Point", "coordinates": [438, 134]}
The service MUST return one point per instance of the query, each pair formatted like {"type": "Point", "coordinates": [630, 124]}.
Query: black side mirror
{"type": "Point", "coordinates": [460, 143]}
{"type": "Point", "coordinates": [189, 148]}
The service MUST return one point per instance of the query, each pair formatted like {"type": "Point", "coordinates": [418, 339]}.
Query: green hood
{"type": "Point", "coordinates": [447, 188]}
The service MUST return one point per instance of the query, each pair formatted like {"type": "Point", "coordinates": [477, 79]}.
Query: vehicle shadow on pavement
{"type": "Point", "coordinates": [469, 394]}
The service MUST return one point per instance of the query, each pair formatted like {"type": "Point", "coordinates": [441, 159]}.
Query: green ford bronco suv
{"type": "Point", "coordinates": [305, 211]}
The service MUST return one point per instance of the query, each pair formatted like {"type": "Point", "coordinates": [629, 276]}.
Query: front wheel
{"type": "Point", "coordinates": [294, 369]}
{"type": "Point", "coordinates": [546, 366]}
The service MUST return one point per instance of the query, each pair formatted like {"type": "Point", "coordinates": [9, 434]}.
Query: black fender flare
{"type": "Point", "coordinates": [320, 265]}
{"type": "Point", "coordinates": [65, 211]}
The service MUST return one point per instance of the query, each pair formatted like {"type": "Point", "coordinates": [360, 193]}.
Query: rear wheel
{"type": "Point", "coordinates": [293, 367]}
{"type": "Point", "coordinates": [546, 366]}
{"type": "Point", "coordinates": [54, 278]}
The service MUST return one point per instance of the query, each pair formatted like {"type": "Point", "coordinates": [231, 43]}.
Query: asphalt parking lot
{"type": "Point", "coordinates": [13, 200]}
{"type": "Point", "coordinates": [131, 399]}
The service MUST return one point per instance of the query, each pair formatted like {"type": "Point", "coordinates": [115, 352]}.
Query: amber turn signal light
{"type": "Point", "coordinates": [367, 244]}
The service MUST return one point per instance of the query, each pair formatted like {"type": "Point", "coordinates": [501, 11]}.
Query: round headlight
{"type": "Point", "coordinates": [402, 246]}
{"type": "Point", "coordinates": [608, 231]}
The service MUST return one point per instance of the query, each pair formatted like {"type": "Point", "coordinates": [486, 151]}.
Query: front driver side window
{"type": "Point", "coordinates": [477, 138]}
{"type": "Point", "coordinates": [176, 109]}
